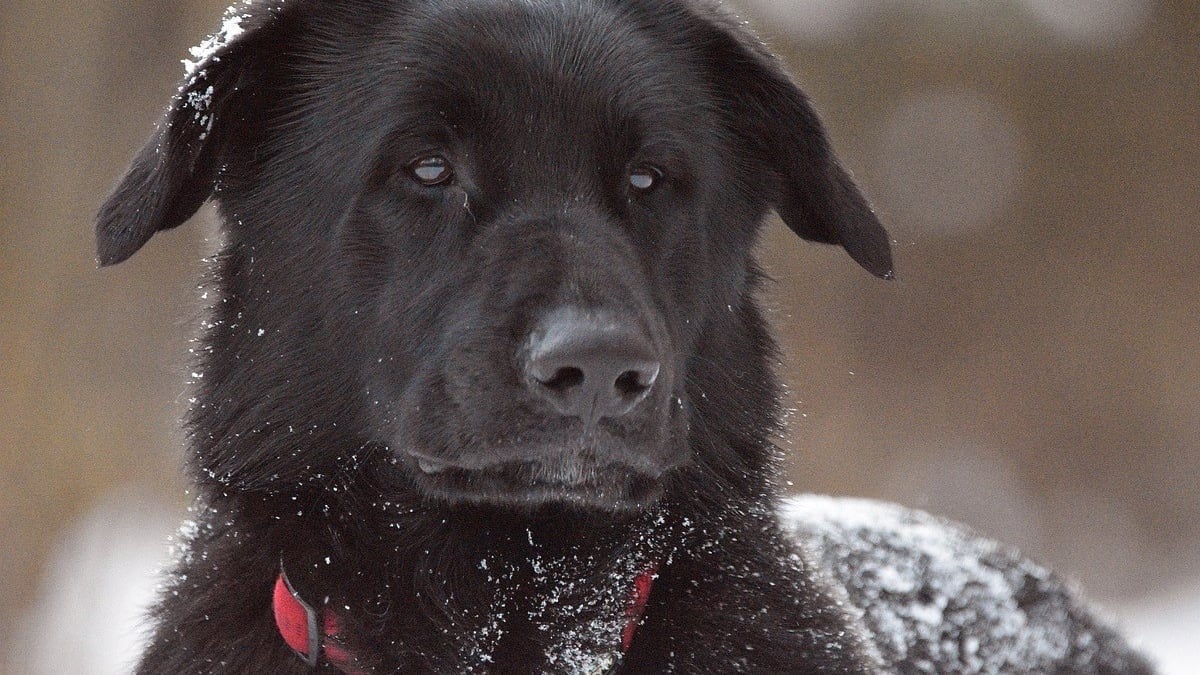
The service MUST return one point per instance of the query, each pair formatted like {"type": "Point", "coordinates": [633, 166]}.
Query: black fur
{"type": "Point", "coordinates": [361, 415]}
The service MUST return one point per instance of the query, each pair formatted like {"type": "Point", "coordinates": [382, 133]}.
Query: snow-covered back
{"type": "Point", "coordinates": [939, 598]}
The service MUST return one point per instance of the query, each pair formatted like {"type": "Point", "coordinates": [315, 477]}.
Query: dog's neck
{"type": "Point", "coordinates": [468, 589]}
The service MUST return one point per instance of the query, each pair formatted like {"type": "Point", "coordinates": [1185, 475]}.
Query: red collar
{"type": "Point", "coordinates": [313, 634]}
{"type": "Point", "coordinates": [306, 631]}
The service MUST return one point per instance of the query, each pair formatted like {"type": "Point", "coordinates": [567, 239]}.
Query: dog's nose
{"type": "Point", "coordinates": [590, 365]}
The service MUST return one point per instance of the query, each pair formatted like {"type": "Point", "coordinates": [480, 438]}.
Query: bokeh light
{"type": "Point", "coordinates": [1091, 21]}
{"type": "Point", "coordinates": [950, 161]}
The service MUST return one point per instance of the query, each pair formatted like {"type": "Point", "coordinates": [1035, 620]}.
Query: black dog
{"type": "Point", "coordinates": [485, 387]}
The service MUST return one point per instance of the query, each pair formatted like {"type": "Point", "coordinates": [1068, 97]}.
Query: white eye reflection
{"type": "Point", "coordinates": [431, 170]}
{"type": "Point", "coordinates": [644, 178]}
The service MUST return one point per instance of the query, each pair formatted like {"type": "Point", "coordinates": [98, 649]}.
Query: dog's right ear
{"type": "Point", "coordinates": [176, 171]}
{"type": "Point", "coordinates": [769, 116]}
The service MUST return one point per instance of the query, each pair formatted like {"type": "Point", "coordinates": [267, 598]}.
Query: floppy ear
{"type": "Point", "coordinates": [176, 171]}
{"type": "Point", "coordinates": [771, 117]}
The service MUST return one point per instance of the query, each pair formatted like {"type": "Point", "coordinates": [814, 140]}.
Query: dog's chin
{"type": "Point", "coordinates": [535, 486]}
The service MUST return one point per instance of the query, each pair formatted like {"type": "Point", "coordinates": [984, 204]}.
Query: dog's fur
{"type": "Point", "coordinates": [364, 414]}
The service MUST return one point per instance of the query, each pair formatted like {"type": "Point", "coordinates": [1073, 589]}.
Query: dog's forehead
{"type": "Point", "coordinates": [550, 54]}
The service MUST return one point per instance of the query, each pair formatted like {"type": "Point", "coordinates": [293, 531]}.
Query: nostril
{"type": "Point", "coordinates": [629, 383]}
{"type": "Point", "coordinates": [563, 379]}
{"type": "Point", "coordinates": [633, 383]}
{"type": "Point", "coordinates": [590, 365]}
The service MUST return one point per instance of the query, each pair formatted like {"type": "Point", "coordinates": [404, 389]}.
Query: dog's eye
{"type": "Point", "coordinates": [645, 178]}
{"type": "Point", "coordinates": [431, 170]}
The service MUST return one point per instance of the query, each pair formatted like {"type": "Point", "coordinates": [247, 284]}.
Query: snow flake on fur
{"type": "Point", "coordinates": [207, 50]}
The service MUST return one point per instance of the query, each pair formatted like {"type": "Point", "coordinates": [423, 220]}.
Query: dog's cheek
{"type": "Point", "coordinates": [395, 266]}
{"type": "Point", "coordinates": [723, 279]}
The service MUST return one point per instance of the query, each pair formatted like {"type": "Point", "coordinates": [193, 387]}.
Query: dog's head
{"type": "Point", "coordinates": [491, 240]}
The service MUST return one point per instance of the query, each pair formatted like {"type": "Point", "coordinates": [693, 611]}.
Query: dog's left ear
{"type": "Point", "coordinates": [773, 119]}
{"type": "Point", "coordinates": [177, 169]}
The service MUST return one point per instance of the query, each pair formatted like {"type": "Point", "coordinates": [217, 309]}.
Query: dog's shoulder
{"type": "Point", "coordinates": [941, 598]}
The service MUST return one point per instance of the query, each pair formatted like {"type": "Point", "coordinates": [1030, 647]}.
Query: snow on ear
{"type": "Point", "coordinates": [771, 118]}
{"type": "Point", "coordinates": [176, 171]}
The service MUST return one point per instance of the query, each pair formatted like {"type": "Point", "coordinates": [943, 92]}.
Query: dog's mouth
{"type": "Point", "coordinates": [539, 479]}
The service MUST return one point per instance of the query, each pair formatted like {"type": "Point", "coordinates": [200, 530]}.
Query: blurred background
{"type": "Point", "coordinates": [1033, 372]}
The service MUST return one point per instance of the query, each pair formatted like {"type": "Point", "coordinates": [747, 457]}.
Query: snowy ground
{"type": "Point", "coordinates": [1167, 626]}
{"type": "Point", "coordinates": [88, 615]}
